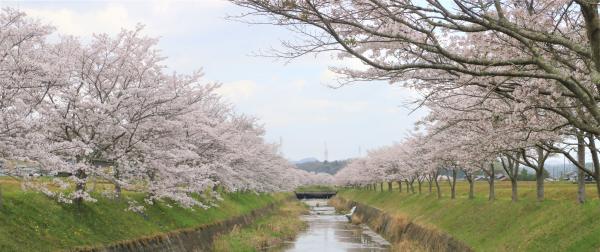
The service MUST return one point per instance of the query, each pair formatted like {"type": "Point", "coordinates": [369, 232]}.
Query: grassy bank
{"type": "Point", "coordinates": [272, 230]}
{"type": "Point", "coordinates": [557, 224]}
{"type": "Point", "coordinates": [30, 221]}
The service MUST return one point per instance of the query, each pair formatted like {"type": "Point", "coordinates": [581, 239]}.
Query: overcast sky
{"type": "Point", "coordinates": [292, 100]}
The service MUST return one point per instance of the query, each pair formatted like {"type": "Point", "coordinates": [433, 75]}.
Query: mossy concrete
{"type": "Point", "coordinates": [398, 229]}
{"type": "Point", "coordinates": [184, 240]}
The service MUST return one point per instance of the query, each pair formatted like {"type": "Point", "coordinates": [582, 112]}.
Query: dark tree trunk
{"type": "Point", "coordinates": [511, 167]}
{"type": "Point", "coordinates": [389, 186]}
{"type": "Point", "coordinates": [419, 182]}
{"type": "Point", "coordinates": [1, 198]}
{"type": "Point", "coordinates": [399, 185]}
{"type": "Point", "coordinates": [80, 185]}
{"type": "Point", "coordinates": [381, 186]}
{"type": "Point", "coordinates": [437, 187]}
{"type": "Point", "coordinates": [117, 183]}
{"type": "Point", "coordinates": [513, 185]}
{"type": "Point", "coordinates": [469, 178]}
{"type": "Point", "coordinates": [430, 185]}
{"type": "Point", "coordinates": [407, 186]}
{"type": "Point", "coordinates": [492, 179]}
{"type": "Point", "coordinates": [539, 174]}
{"type": "Point", "coordinates": [580, 172]}
{"type": "Point", "coordinates": [595, 161]}
{"type": "Point", "coordinates": [453, 184]}
{"type": "Point", "coordinates": [539, 183]}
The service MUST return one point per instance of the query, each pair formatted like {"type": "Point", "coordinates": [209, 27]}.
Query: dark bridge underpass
{"type": "Point", "coordinates": [315, 195]}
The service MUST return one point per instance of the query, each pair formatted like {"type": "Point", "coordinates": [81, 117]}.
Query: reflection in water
{"type": "Point", "coordinates": [328, 231]}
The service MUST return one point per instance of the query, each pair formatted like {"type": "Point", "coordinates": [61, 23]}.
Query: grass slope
{"type": "Point", "coordinates": [269, 231]}
{"type": "Point", "coordinates": [557, 224]}
{"type": "Point", "coordinates": [30, 221]}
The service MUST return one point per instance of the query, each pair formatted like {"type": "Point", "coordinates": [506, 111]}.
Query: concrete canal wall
{"type": "Point", "coordinates": [398, 230]}
{"type": "Point", "coordinates": [185, 240]}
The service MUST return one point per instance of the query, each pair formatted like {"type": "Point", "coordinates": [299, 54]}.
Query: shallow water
{"type": "Point", "coordinates": [328, 231]}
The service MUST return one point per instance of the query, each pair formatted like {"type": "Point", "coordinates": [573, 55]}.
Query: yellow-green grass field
{"type": "Point", "coordinates": [557, 224]}
{"type": "Point", "coordinates": [30, 221]}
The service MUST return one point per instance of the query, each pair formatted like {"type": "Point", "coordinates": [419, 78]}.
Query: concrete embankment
{"type": "Point", "coordinates": [402, 232]}
{"type": "Point", "coordinates": [193, 239]}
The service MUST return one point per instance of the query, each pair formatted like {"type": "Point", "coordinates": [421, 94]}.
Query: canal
{"type": "Point", "coordinates": [329, 231]}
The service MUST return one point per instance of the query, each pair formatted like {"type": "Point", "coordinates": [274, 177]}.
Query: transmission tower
{"type": "Point", "coordinates": [281, 146]}
{"type": "Point", "coordinates": [325, 153]}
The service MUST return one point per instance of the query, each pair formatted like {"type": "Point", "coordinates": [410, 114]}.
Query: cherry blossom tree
{"type": "Point", "coordinates": [107, 109]}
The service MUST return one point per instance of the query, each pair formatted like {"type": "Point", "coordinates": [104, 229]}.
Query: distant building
{"type": "Point", "coordinates": [502, 177]}
{"type": "Point", "coordinates": [28, 169]}
{"type": "Point", "coordinates": [573, 175]}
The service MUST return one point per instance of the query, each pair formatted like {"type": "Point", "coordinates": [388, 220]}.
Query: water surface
{"type": "Point", "coordinates": [328, 231]}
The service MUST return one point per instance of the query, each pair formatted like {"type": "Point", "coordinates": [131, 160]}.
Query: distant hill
{"type": "Point", "coordinates": [306, 160]}
{"type": "Point", "coordinates": [317, 166]}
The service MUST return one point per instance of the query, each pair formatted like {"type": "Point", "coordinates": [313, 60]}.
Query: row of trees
{"type": "Point", "coordinates": [108, 109]}
{"type": "Point", "coordinates": [506, 80]}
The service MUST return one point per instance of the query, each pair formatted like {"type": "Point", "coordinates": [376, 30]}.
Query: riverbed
{"type": "Point", "coordinates": [329, 231]}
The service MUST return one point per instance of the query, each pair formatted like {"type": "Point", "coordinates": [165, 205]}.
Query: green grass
{"type": "Point", "coordinates": [269, 231]}
{"type": "Point", "coordinates": [557, 224]}
{"type": "Point", "coordinates": [30, 221]}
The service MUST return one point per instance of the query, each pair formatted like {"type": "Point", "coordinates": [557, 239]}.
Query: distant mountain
{"type": "Point", "coordinates": [317, 166]}
{"type": "Point", "coordinates": [306, 160]}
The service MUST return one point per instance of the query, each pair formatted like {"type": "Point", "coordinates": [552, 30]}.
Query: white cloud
{"type": "Point", "coordinates": [161, 17]}
{"type": "Point", "coordinates": [109, 19]}
{"type": "Point", "coordinates": [238, 90]}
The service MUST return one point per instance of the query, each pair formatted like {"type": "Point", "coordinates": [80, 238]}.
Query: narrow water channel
{"type": "Point", "coordinates": [328, 231]}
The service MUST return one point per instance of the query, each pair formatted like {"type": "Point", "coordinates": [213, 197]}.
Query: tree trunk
{"type": "Point", "coordinates": [419, 182]}
{"type": "Point", "coordinates": [539, 174]}
{"type": "Point", "coordinates": [399, 185]}
{"type": "Point", "coordinates": [580, 172]}
{"type": "Point", "coordinates": [389, 186]}
{"type": "Point", "coordinates": [471, 186]}
{"type": "Point", "coordinates": [1, 198]}
{"type": "Point", "coordinates": [381, 187]}
{"type": "Point", "coordinates": [595, 161]}
{"type": "Point", "coordinates": [492, 179]}
{"type": "Point", "coordinates": [437, 187]}
{"type": "Point", "coordinates": [117, 184]}
{"type": "Point", "coordinates": [430, 185]}
{"type": "Point", "coordinates": [453, 185]}
{"type": "Point", "coordinates": [513, 184]}
{"type": "Point", "coordinates": [412, 188]}
{"type": "Point", "coordinates": [407, 186]}
{"type": "Point", "coordinates": [80, 185]}
{"type": "Point", "coordinates": [539, 182]}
